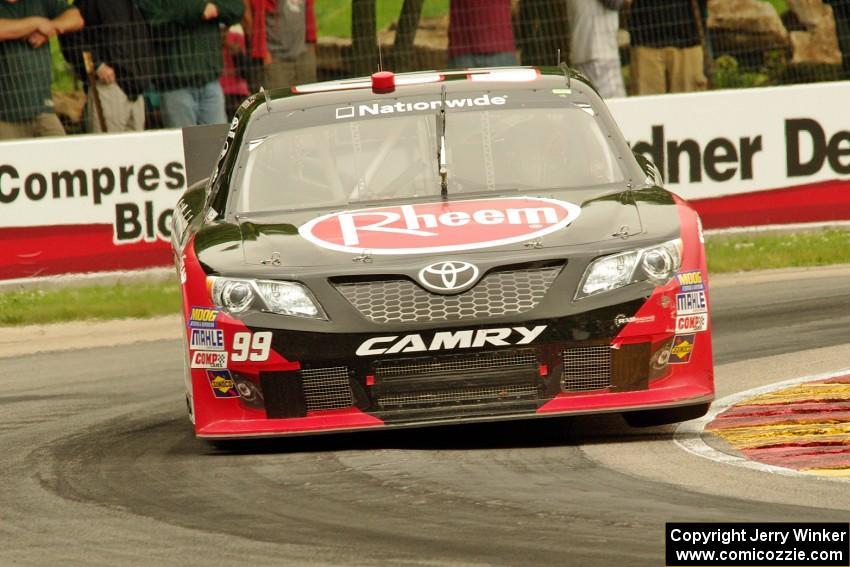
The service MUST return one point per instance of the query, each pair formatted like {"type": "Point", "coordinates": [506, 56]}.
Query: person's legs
{"type": "Point", "coordinates": [647, 71]}
{"type": "Point", "coordinates": [605, 76]}
{"type": "Point", "coordinates": [115, 107]}
{"type": "Point", "coordinates": [16, 130]}
{"type": "Point", "coordinates": [279, 74]}
{"type": "Point", "coordinates": [180, 108]}
{"type": "Point", "coordinates": [500, 59]}
{"type": "Point", "coordinates": [463, 61]}
{"type": "Point", "coordinates": [211, 104]}
{"type": "Point", "coordinates": [305, 66]}
{"type": "Point", "coordinates": [136, 114]}
{"type": "Point", "coordinates": [687, 73]}
{"type": "Point", "coordinates": [48, 124]}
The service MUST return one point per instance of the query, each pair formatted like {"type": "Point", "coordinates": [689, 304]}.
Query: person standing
{"type": "Point", "coordinates": [187, 40]}
{"type": "Point", "coordinates": [481, 34]}
{"type": "Point", "coordinates": [117, 38]}
{"type": "Point", "coordinates": [667, 51]}
{"type": "Point", "coordinates": [278, 39]}
{"type": "Point", "coordinates": [26, 103]}
{"type": "Point", "coordinates": [593, 43]}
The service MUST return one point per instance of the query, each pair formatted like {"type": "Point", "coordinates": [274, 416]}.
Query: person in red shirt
{"type": "Point", "coordinates": [280, 34]}
{"type": "Point", "coordinates": [481, 34]}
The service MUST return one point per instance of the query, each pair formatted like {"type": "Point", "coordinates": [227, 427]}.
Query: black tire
{"type": "Point", "coordinates": [651, 418]}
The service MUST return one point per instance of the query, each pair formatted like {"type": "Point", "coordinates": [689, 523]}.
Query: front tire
{"type": "Point", "coordinates": [651, 418]}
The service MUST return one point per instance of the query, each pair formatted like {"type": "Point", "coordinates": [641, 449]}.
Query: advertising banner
{"type": "Point", "coordinates": [87, 204]}
{"type": "Point", "coordinates": [749, 157]}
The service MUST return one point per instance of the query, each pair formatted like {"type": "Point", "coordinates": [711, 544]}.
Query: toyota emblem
{"type": "Point", "coordinates": [449, 277]}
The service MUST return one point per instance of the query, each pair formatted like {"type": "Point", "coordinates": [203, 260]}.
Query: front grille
{"type": "Point", "coordinates": [586, 368]}
{"type": "Point", "coordinates": [498, 293]}
{"type": "Point", "coordinates": [461, 380]}
{"type": "Point", "coordinates": [456, 364]}
{"type": "Point", "coordinates": [327, 388]}
{"type": "Point", "coordinates": [459, 396]}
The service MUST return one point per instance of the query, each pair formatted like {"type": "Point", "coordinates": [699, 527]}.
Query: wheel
{"type": "Point", "coordinates": [650, 418]}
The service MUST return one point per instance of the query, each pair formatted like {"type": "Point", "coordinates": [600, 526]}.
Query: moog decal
{"type": "Point", "coordinates": [448, 340]}
{"type": "Point", "coordinates": [440, 227]}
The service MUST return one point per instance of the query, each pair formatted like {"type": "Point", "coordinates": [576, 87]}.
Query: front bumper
{"type": "Point", "coordinates": [618, 366]}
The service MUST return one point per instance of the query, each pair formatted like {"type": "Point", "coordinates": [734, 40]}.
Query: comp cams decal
{"type": "Point", "coordinates": [440, 227]}
{"type": "Point", "coordinates": [691, 323]}
{"type": "Point", "coordinates": [449, 340]}
{"type": "Point", "coordinates": [222, 384]}
{"type": "Point", "coordinates": [209, 359]}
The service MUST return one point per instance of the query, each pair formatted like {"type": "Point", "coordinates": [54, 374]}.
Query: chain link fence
{"type": "Point", "coordinates": [743, 43]}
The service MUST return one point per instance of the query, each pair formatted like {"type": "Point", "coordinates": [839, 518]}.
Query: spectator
{"type": "Point", "coordinates": [593, 43]}
{"type": "Point", "coordinates": [480, 34]}
{"type": "Point", "coordinates": [279, 30]}
{"type": "Point", "coordinates": [26, 103]}
{"type": "Point", "coordinates": [187, 39]}
{"type": "Point", "coordinates": [306, 63]}
{"type": "Point", "coordinates": [233, 79]}
{"type": "Point", "coordinates": [841, 12]}
{"type": "Point", "coordinates": [667, 52]}
{"type": "Point", "coordinates": [117, 38]}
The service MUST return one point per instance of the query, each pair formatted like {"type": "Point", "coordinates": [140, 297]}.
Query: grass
{"type": "Point", "coordinates": [725, 254]}
{"type": "Point", "coordinates": [334, 16]}
{"type": "Point", "coordinates": [95, 302]}
{"type": "Point", "coordinates": [784, 250]}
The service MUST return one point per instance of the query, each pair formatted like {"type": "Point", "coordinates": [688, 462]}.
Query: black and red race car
{"type": "Point", "coordinates": [431, 248]}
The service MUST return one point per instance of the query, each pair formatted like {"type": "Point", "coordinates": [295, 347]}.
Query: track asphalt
{"type": "Point", "coordinates": [100, 466]}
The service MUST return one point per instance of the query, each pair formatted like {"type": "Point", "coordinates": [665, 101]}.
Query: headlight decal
{"type": "Point", "coordinates": [238, 295]}
{"type": "Point", "coordinates": [656, 264]}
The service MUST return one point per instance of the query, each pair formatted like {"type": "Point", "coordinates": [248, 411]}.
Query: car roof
{"type": "Point", "coordinates": [424, 83]}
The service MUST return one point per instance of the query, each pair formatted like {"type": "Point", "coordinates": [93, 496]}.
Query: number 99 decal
{"type": "Point", "coordinates": [254, 347]}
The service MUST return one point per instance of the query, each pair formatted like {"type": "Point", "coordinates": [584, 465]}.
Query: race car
{"type": "Point", "coordinates": [437, 248]}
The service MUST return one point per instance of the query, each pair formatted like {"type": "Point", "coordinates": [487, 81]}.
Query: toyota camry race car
{"type": "Point", "coordinates": [431, 248]}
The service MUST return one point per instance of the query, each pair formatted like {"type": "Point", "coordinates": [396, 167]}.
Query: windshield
{"type": "Point", "coordinates": [525, 149]}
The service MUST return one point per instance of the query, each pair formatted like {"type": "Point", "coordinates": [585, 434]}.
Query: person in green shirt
{"type": "Point", "coordinates": [188, 44]}
{"type": "Point", "coordinates": [26, 103]}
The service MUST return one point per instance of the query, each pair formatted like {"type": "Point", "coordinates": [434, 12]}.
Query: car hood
{"type": "Point", "coordinates": [318, 237]}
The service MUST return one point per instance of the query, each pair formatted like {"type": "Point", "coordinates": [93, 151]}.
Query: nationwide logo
{"type": "Point", "coordinates": [222, 384]}
{"type": "Point", "coordinates": [209, 339]}
{"type": "Point", "coordinates": [376, 108]}
{"type": "Point", "coordinates": [440, 227]}
{"type": "Point", "coordinates": [691, 302]}
{"type": "Point", "coordinates": [683, 346]}
{"type": "Point", "coordinates": [691, 323]}
{"type": "Point", "coordinates": [449, 340]}
{"type": "Point", "coordinates": [209, 359]}
{"type": "Point", "coordinates": [203, 318]}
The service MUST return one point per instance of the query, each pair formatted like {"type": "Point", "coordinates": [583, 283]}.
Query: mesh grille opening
{"type": "Point", "coordinates": [586, 368]}
{"type": "Point", "coordinates": [327, 388]}
{"type": "Point", "coordinates": [459, 396]}
{"type": "Point", "coordinates": [448, 365]}
{"type": "Point", "coordinates": [497, 294]}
